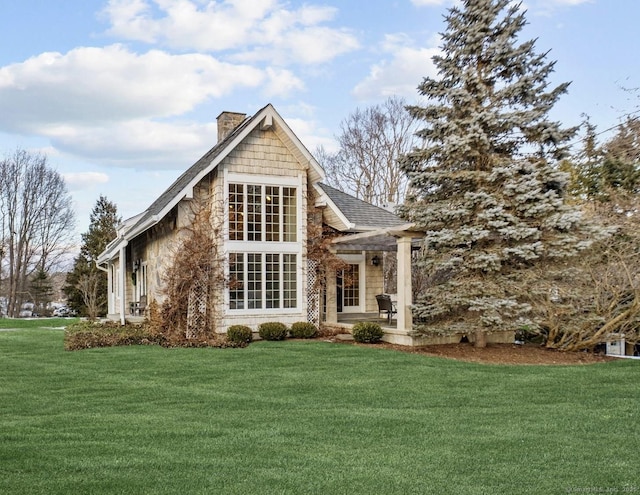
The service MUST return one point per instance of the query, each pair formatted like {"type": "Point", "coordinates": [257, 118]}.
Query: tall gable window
{"type": "Point", "coordinates": [265, 244]}
{"type": "Point", "coordinates": [254, 213]}
{"type": "Point", "coordinates": [289, 214]}
{"type": "Point", "coordinates": [259, 213]}
{"type": "Point", "coordinates": [236, 212]}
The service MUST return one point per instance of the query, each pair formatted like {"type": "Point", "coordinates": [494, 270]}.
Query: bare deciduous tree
{"type": "Point", "coordinates": [584, 302]}
{"type": "Point", "coordinates": [88, 287]}
{"type": "Point", "coordinates": [371, 141]}
{"type": "Point", "coordinates": [37, 220]}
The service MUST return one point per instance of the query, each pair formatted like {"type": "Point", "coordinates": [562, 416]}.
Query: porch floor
{"type": "Point", "coordinates": [352, 318]}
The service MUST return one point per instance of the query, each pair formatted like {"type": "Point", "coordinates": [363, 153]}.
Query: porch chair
{"type": "Point", "coordinates": [137, 308]}
{"type": "Point", "coordinates": [385, 305]}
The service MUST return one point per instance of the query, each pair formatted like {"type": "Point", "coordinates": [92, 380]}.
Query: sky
{"type": "Point", "coordinates": [122, 95]}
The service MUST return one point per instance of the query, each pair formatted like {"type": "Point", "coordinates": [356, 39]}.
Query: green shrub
{"type": "Point", "coordinates": [367, 332]}
{"type": "Point", "coordinates": [303, 330]}
{"type": "Point", "coordinates": [239, 334]}
{"type": "Point", "coordinates": [272, 330]}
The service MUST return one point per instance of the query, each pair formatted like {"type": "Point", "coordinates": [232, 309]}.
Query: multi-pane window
{"type": "Point", "coordinates": [236, 212]}
{"type": "Point", "coordinates": [254, 281]}
{"type": "Point", "coordinates": [272, 213]}
{"type": "Point", "coordinates": [289, 281]}
{"type": "Point", "coordinates": [273, 280]}
{"type": "Point", "coordinates": [236, 281]}
{"type": "Point", "coordinates": [351, 294]}
{"type": "Point", "coordinates": [254, 213]}
{"type": "Point", "coordinates": [263, 280]}
{"type": "Point", "coordinates": [289, 214]}
{"type": "Point", "coordinates": [260, 213]}
{"type": "Point", "coordinates": [264, 246]}
{"type": "Point", "coordinates": [115, 281]}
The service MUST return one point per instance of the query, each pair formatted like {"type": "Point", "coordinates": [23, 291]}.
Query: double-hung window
{"type": "Point", "coordinates": [264, 246]}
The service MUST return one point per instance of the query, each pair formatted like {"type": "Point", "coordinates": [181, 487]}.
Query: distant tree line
{"type": "Point", "coordinates": [36, 228]}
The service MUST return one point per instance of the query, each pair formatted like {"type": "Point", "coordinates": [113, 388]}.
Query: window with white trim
{"type": "Point", "coordinates": [264, 245]}
{"type": "Point", "coordinates": [263, 281]}
{"type": "Point", "coordinates": [142, 279]}
{"type": "Point", "coordinates": [259, 213]}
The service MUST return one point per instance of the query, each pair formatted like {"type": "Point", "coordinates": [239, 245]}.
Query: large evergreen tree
{"type": "Point", "coordinates": [103, 224]}
{"type": "Point", "coordinates": [485, 186]}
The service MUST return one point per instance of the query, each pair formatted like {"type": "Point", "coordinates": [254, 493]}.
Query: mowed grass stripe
{"type": "Point", "coordinates": [306, 417]}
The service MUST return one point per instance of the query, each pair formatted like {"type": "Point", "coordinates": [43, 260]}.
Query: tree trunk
{"type": "Point", "coordinates": [481, 338]}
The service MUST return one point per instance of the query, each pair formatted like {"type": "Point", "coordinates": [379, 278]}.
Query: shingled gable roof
{"type": "Point", "coordinates": [357, 215]}
{"type": "Point", "coordinates": [183, 186]}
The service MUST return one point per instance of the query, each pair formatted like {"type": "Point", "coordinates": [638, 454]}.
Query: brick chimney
{"type": "Point", "coordinates": [227, 122]}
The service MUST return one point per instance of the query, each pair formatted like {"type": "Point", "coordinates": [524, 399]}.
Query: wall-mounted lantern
{"type": "Point", "coordinates": [375, 261]}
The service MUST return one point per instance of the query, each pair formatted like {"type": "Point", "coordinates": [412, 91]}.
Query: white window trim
{"type": "Point", "coordinates": [265, 310]}
{"type": "Point", "coordinates": [266, 247]}
{"type": "Point", "coordinates": [264, 180]}
{"type": "Point", "coordinates": [142, 275]}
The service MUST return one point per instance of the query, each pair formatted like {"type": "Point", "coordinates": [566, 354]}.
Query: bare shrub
{"type": "Point", "coordinates": [192, 278]}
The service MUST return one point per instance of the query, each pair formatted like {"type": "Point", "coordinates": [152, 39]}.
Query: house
{"type": "Point", "coordinates": [261, 180]}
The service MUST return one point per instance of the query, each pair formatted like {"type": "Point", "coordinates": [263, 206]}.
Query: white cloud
{"type": "Point", "coordinates": [253, 30]}
{"type": "Point", "coordinates": [281, 83]}
{"type": "Point", "coordinates": [184, 23]}
{"type": "Point", "coordinates": [83, 180]}
{"type": "Point", "coordinates": [310, 134]}
{"type": "Point", "coordinates": [119, 107]}
{"type": "Point", "coordinates": [138, 143]}
{"type": "Point", "coordinates": [113, 84]}
{"type": "Point", "coordinates": [400, 72]}
{"type": "Point", "coordinates": [111, 102]}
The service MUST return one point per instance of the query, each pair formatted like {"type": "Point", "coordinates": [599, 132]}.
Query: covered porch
{"type": "Point", "coordinates": [365, 251]}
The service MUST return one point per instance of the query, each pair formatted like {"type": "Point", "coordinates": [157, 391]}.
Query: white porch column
{"type": "Point", "coordinates": [331, 315]}
{"type": "Point", "coordinates": [123, 288]}
{"type": "Point", "coordinates": [404, 317]}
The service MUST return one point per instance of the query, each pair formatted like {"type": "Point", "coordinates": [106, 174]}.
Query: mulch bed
{"type": "Point", "coordinates": [500, 353]}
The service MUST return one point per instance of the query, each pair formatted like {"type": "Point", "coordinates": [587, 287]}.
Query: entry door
{"type": "Point", "coordinates": [348, 289]}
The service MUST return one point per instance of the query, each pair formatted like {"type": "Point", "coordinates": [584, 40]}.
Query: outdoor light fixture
{"type": "Point", "coordinates": [375, 261]}
{"type": "Point", "coordinates": [136, 265]}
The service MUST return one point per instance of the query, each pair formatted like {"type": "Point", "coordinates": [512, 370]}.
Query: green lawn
{"type": "Point", "coordinates": [307, 417]}
{"type": "Point", "coordinates": [21, 323]}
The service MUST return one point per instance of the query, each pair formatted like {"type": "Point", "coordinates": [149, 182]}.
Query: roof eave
{"type": "Point", "coordinates": [327, 201]}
